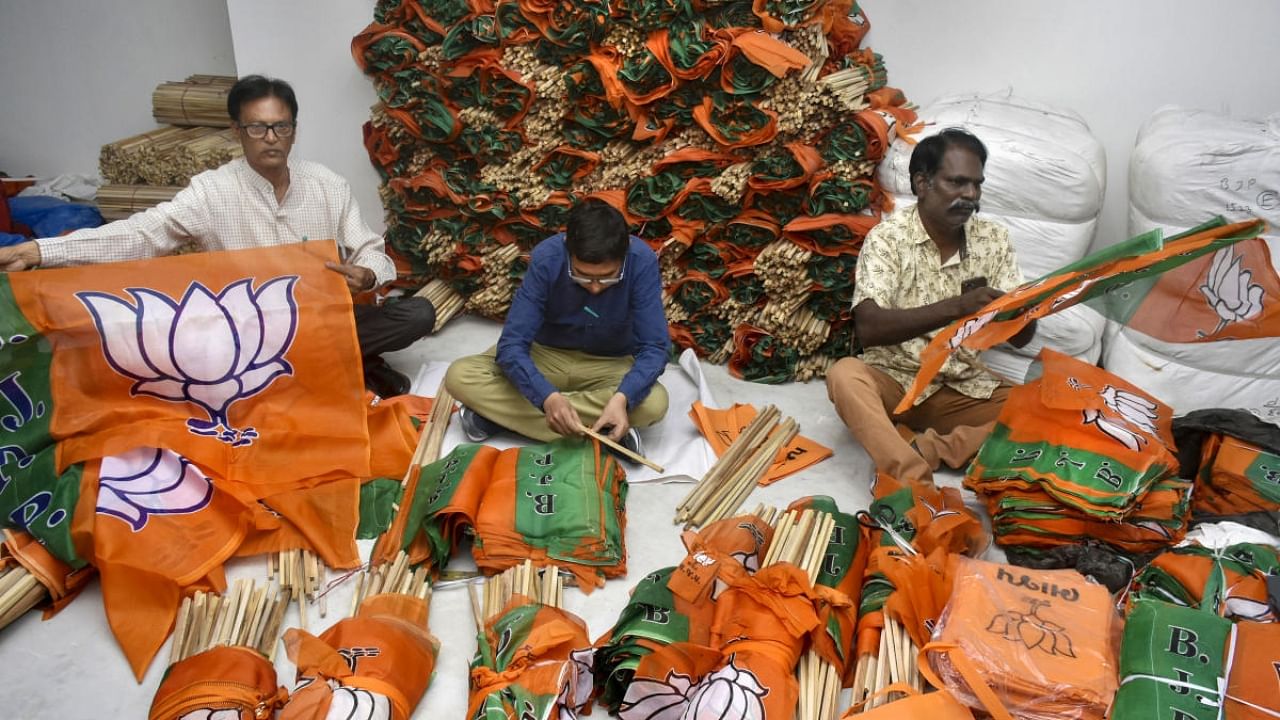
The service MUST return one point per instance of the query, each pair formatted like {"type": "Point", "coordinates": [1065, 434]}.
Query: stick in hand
{"type": "Point", "coordinates": [611, 443]}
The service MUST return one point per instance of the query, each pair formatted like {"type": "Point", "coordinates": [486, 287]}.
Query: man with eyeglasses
{"type": "Point", "coordinates": [920, 269]}
{"type": "Point", "coordinates": [262, 199]}
{"type": "Point", "coordinates": [584, 341]}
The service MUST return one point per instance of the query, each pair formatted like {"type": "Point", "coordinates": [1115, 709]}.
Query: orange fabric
{"type": "Point", "coordinates": [322, 519]}
{"type": "Point", "coordinates": [917, 706]}
{"type": "Point", "coordinates": [63, 583]}
{"type": "Point", "coordinates": [981, 330]}
{"type": "Point", "coordinates": [97, 413]}
{"type": "Point", "coordinates": [462, 510]}
{"type": "Point", "coordinates": [1043, 640]}
{"type": "Point", "coordinates": [538, 665]}
{"type": "Point", "coordinates": [770, 53]}
{"type": "Point", "coordinates": [857, 225]}
{"type": "Point", "coordinates": [702, 114]}
{"type": "Point", "coordinates": [222, 678]}
{"type": "Point", "coordinates": [145, 568]}
{"type": "Point", "coordinates": [810, 162]}
{"type": "Point", "coordinates": [722, 426]}
{"type": "Point", "coordinates": [1254, 679]}
{"type": "Point", "coordinates": [396, 655]}
{"type": "Point", "coordinates": [1229, 490]}
{"type": "Point", "coordinates": [1238, 277]}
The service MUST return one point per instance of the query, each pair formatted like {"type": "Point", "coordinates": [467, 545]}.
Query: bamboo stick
{"type": "Point", "coordinates": [606, 440]}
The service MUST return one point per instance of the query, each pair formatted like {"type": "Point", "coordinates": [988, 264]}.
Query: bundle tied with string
{"type": "Point", "coordinates": [200, 100]}
{"type": "Point", "coordinates": [707, 134]}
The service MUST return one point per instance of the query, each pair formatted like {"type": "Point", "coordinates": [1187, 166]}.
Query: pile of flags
{"type": "Point", "coordinates": [561, 502]}
{"type": "Point", "coordinates": [1079, 455]}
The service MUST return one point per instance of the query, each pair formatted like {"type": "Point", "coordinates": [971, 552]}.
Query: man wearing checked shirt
{"type": "Point", "coordinates": [584, 341]}
{"type": "Point", "coordinates": [259, 200]}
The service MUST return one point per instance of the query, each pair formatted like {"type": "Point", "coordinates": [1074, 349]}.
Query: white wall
{"type": "Point", "coordinates": [308, 43]}
{"type": "Point", "coordinates": [76, 75]}
{"type": "Point", "coordinates": [1111, 62]}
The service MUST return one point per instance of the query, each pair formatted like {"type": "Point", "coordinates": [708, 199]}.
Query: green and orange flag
{"type": "Point", "coordinates": [154, 406]}
{"type": "Point", "coordinates": [1231, 296]}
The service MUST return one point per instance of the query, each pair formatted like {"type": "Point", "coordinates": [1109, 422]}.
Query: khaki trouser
{"type": "Point", "coordinates": [588, 381]}
{"type": "Point", "coordinates": [951, 426]}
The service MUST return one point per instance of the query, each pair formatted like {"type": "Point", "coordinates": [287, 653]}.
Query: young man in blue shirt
{"type": "Point", "coordinates": [584, 342]}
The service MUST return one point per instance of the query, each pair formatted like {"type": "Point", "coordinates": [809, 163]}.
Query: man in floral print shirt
{"type": "Point", "coordinates": [920, 269]}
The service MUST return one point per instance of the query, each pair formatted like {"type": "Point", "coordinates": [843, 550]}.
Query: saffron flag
{"type": "Point", "coordinates": [243, 361]}
{"type": "Point", "coordinates": [1114, 280]}
{"type": "Point", "coordinates": [722, 426]}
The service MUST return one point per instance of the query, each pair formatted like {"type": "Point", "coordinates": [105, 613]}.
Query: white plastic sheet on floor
{"type": "Point", "coordinates": [1187, 166]}
{"type": "Point", "coordinates": [1045, 178]}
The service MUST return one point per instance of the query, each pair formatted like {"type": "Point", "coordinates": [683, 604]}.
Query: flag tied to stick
{"type": "Point", "coordinates": [1225, 288]}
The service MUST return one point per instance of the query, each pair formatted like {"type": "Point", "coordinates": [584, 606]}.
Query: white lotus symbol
{"type": "Point", "coordinates": [150, 481]}
{"type": "Point", "coordinates": [209, 350]}
{"type": "Point", "coordinates": [1230, 290]}
{"type": "Point", "coordinates": [728, 693]}
{"type": "Point", "coordinates": [1114, 430]}
{"type": "Point", "coordinates": [1133, 408]}
{"type": "Point", "coordinates": [970, 326]}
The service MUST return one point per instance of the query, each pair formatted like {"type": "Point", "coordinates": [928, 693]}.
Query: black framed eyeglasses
{"type": "Point", "coordinates": [257, 131]}
{"type": "Point", "coordinates": [605, 281]}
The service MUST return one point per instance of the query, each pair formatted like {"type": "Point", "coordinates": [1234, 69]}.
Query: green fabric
{"type": "Point", "coordinates": [837, 195]}
{"type": "Point", "coordinates": [1101, 486]}
{"type": "Point", "coordinates": [560, 505]}
{"type": "Point", "coordinates": [378, 500]}
{"type": "Point", "coordinates": [688, 42]}
{"type": "Point", "coordinates": [844, 141]}
{"type": "Point", "coordinates": [771, 361]}
{"type": "Point", "coordinates": [1171, 663]}
{"type": "Point", "coordinates": [37, 499]}
{"type": "Point", "coordinates": [650, 615]}
{"type": "Point", "coordinates": [707, 207]}
{"type": "Point", "coordinates": [749, 78]}
{"type": "Point", "coordinates": [649, 197]}
{"type": "Point", "coordinates": [389, 52]}
{"type": "Point", "coordinates": [468, 35]}
{"type": "Point", "coordinates": [437, 483]}
{"type": "Point", "coordinates": [655, 14]}
{"type": "Point", "coordinates": [514, 700]}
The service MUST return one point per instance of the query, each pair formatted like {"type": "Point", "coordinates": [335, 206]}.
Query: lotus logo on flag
{"type": "Point", "coordinates": [150, 481]}
{"type": "Point", "coordinates": [209, 350]}
{"type": "Point", "coordinates": [1230, 291]}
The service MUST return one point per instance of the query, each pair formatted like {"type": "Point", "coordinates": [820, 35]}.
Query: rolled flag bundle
{"type": "Point", "coordinates": [30, 576]}
{"type": "Point", "coordinates": [1232, 581]}
{"type": "Point", "coordinates": [227, 678]}
{"type": "Point", "coordinates": [1044, 641]}
{"type": "Point", "coordinates": [1081, 454]}
{"type": "Point", "coordinates": [533, 658]}
{"type": "Point", "coordinates": [376, 664]}
{"type": "Point", "coordinates": [656, 616]}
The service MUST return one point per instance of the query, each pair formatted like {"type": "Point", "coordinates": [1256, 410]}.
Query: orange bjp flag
{"type": "Point", "coordinates": [242, 361]}
{"type": "Point", "coordinates": [154, 524]}
{"type": "Point", "coordinates": [722, 426]}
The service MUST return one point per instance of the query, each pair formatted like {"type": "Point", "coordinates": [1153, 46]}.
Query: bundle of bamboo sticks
{"type": "Point", "coordinates": [20, 591]}
{"type": "Point", "coordinates": [444, 298]}
{"type": "Point", "coordinates": [544, 586]}
{"type": "Point", "coordinates": [788, 320]}
{"type": "Point", "coordinates": [392, 577]}
{"type": "Point", "coordinates": [301, 574]}
{"type": "Point", "coordinates": [782, 267]}
{"type": "Point", "coordinates": [730, 480]}
{"type": "Point", "coordinates": [894, 662]}
{"type": "Point", "coordinates": [198, 100]}
{"type": "Point", "coordinates": [167, 155]}
{"type": "Point", "coordinates": [674, 311]}
{"type": "Point", "coordinates": [121, 201]}
{"type": "Point", "coordinates": [493, 300]}
{"type": "Point", "coordinates": [248, 615]}
{"type": "Point", "coordinates": [813, 367]}
{"type": "Point", "coordinates": [801, 538]}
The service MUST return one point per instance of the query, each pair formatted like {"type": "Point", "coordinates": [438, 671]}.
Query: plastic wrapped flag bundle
{"type": "Point", "coordinates": [1044, 641]}
{"type": "Point", "coordinates": [1231, 582]}
{"type": "Point", "coordinates": [1235, 459]}
{"type": "Point", "coordinates": [1079, 453]}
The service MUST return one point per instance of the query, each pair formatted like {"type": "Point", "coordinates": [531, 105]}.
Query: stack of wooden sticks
{"type": "Point", "coordinates": [248, 615]}
{"type": "Point", "coordinates": [544, 586]}
{"type": "Point", "coordinates": [392, 577]}
{"type": "Point", "coordinates": [730, 480]}
{"type": "Point", "coordinates": [19, 592]}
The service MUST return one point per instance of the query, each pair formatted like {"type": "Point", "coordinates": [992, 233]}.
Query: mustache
{"type": "Point", "coordinates": [967, 205]}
